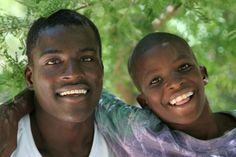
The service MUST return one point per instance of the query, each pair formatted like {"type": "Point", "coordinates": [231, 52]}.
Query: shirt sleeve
{"type": "Point", "coordinates": [113, 114]}
{"type": "Point", "coordinates": [119, 122]}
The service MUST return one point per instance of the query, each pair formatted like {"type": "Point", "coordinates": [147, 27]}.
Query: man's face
{"type": "Point", "coordinates": [171, 83]}
{"type": "Point", "coordinates": [66, 73]}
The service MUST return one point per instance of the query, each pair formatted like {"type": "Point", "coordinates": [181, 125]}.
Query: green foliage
{"type": "Point", "coordinates": [209, 27]}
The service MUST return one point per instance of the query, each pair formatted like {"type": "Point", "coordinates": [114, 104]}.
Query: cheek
{"type": "Point", "coordinates": [44, 90]}
{"type": "Point", "coordinates": [99, 81]}
{"type": "Point", "coordinates": [96, 73]}
{"type": "Point", "coordinates": [153, 100]}
{"type": "Point", "coordinates": [43, 80]}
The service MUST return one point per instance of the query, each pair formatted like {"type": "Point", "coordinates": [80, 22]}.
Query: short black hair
{"type": "Point", "coordinates": [150, 40]}
{"type": "Point", "coordinates": [65, 17]}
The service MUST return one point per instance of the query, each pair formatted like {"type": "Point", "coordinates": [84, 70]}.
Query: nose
{"type": "Point", "coordinates": [174, 82]}
{"type": "Point", "coordinates": [73, 70]}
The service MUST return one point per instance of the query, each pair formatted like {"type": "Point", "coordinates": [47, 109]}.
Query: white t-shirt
{"type": "Point", "coordinates": [26, 146]}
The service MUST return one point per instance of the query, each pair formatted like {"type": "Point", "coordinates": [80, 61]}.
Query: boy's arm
{"type": "Point", "coordinates": [114, 116]}
{"type": "Point", "coordinates": [116, 112]}
{"type": "Point", "coordinates": [10, 113]}
{"type": "Point", "coordinates": [112, 110]}
{"type": "Point", "coordinates": [120, 123]}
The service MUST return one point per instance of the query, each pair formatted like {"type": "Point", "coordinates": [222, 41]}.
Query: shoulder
{"type": "Point", "coordinates": [100, 146]}
{"type": "Point", "coordinates": [112, 105]}
{"type": "Point", "coordinates": [25, 141]}
{"type": "Point", "coordinates": [232, 113]}
{"type": "Point", "coordinates": [24, 125]}
{"type": "Point", "coordinates": [113, 111]}
{"type": "Point", "coordinates": [227, 120]}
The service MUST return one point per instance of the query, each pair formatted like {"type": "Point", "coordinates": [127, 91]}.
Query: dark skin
{"type": "Point", "coordinates": [10, 113]}
{"type": "Point", "coordinates": [66, 76]}
{"type": "Point", "coordinates": [198, 122]}
{"type": "Point", "coordinates": [172, 86]}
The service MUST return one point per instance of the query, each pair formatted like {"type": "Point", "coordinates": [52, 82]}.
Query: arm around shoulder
{"type": "Point", "coordinates": [113, 113]}
{"type": "Point", "coordinates": [10, 113]}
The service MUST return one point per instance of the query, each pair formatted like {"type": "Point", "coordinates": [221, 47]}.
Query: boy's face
{"type": "Point", "coordinates": [171, 83]}
{"type": "Point", "coordinates": [66, 73]}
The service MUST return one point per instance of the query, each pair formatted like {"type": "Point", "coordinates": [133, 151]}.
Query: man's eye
{"type": "Point", "coordinates": [156, 81]}
{"type": "Point", "coordinates": [185, 67]}
{"type": "Point", "coordinates": [86, 59]}
{"type": "Point", "coordinates": [52, 62]}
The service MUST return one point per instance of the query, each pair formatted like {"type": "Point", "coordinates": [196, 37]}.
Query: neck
{"type": "Point", "coordinates": [54, 137]}
{"type": "Point", "coordinates": [205, 127]}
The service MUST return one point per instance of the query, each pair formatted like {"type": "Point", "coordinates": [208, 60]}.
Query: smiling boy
{"type": "Point", "coordinates": [171, 85]}
{"type": "Point", "coordinates": [65, 71]}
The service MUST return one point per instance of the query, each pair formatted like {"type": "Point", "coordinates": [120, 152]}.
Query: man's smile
{"type": "Point", "coordinates": [74, 92]}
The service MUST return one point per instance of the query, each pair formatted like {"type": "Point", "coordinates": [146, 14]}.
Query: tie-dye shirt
{"type": "Point", "coordinates": [135, 132]}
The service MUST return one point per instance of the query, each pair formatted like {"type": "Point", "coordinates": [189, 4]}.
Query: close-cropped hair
{"type": "Point", "coordinates": [65, 17]}
{"type": "Point", "coordinates": [151, 40]}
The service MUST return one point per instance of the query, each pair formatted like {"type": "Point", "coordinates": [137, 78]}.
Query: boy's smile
{"type": "Point", "coordinates": [171, 82]}
{"type": "Point", "coordinates": [66, 73]}
{"type": "Point", "coordinates": [181, 99]}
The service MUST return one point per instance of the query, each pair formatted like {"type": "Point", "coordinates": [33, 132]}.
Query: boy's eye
{"type": "Point", "coordinates": [185, 67]}
{"type": "Point", "coordinates": [156, 81]}
{"type": "Point", "coordinates": [86, 59]}
{"type": "Point", "coordinates": [53, 61]}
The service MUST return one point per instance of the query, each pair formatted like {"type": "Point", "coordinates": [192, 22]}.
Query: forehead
{"type": "Point", "coordinates": [67, 35]}
{"type": "Point", "coordinates": [166, 50]}
{"type": "Point", "coordinates": [162, 56]}
{"type": "Point", "coordinates": [60, 38]}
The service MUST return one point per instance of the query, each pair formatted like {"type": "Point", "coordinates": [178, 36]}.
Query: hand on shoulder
{"type": "Point", "coordinates": [10, 113]}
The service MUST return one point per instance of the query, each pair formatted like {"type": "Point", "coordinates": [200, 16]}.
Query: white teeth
{"type": "Point", "coordinates": [181, 98]}
{"type": "Point", "coordinates": [71, 92]}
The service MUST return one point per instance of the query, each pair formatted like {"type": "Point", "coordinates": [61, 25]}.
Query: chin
{"type": "Point", "coordinates": [78, 118]}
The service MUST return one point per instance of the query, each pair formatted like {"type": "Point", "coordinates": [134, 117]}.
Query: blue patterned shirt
{"type": "Point", "coordinates": [134, 132]}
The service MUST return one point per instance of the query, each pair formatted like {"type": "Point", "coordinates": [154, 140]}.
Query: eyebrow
{"type": "Point", "coordinates": [182, 56]}
{"type": "Point", "coordinates": [49, 51]}
{"type": "Point", "coordinates": [151, 71]}
{"type": "Point", "coordinates": [56, 51]}
{"type": "Point", "coordinates": [88, 49]}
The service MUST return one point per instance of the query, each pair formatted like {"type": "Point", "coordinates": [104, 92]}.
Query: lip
{"type": "Point", "coordinates": [69, 88]}
{"type": "Point", "coordinates": [184, 101]}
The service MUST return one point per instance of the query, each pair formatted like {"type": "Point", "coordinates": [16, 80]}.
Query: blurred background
{"type": "Point", "coordinates": [208, 26]}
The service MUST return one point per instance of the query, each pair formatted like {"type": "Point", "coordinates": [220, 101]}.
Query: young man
{"type": "Point", "coordinates": [65, 71]}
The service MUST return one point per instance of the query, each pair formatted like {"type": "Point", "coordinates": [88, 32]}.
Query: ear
{"type": "Point", "coordinates": [28, 77]}
{"type": "Point", "coordinates": [204, 74]}
{"type": "Point", "coordinates": [142, 102]}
